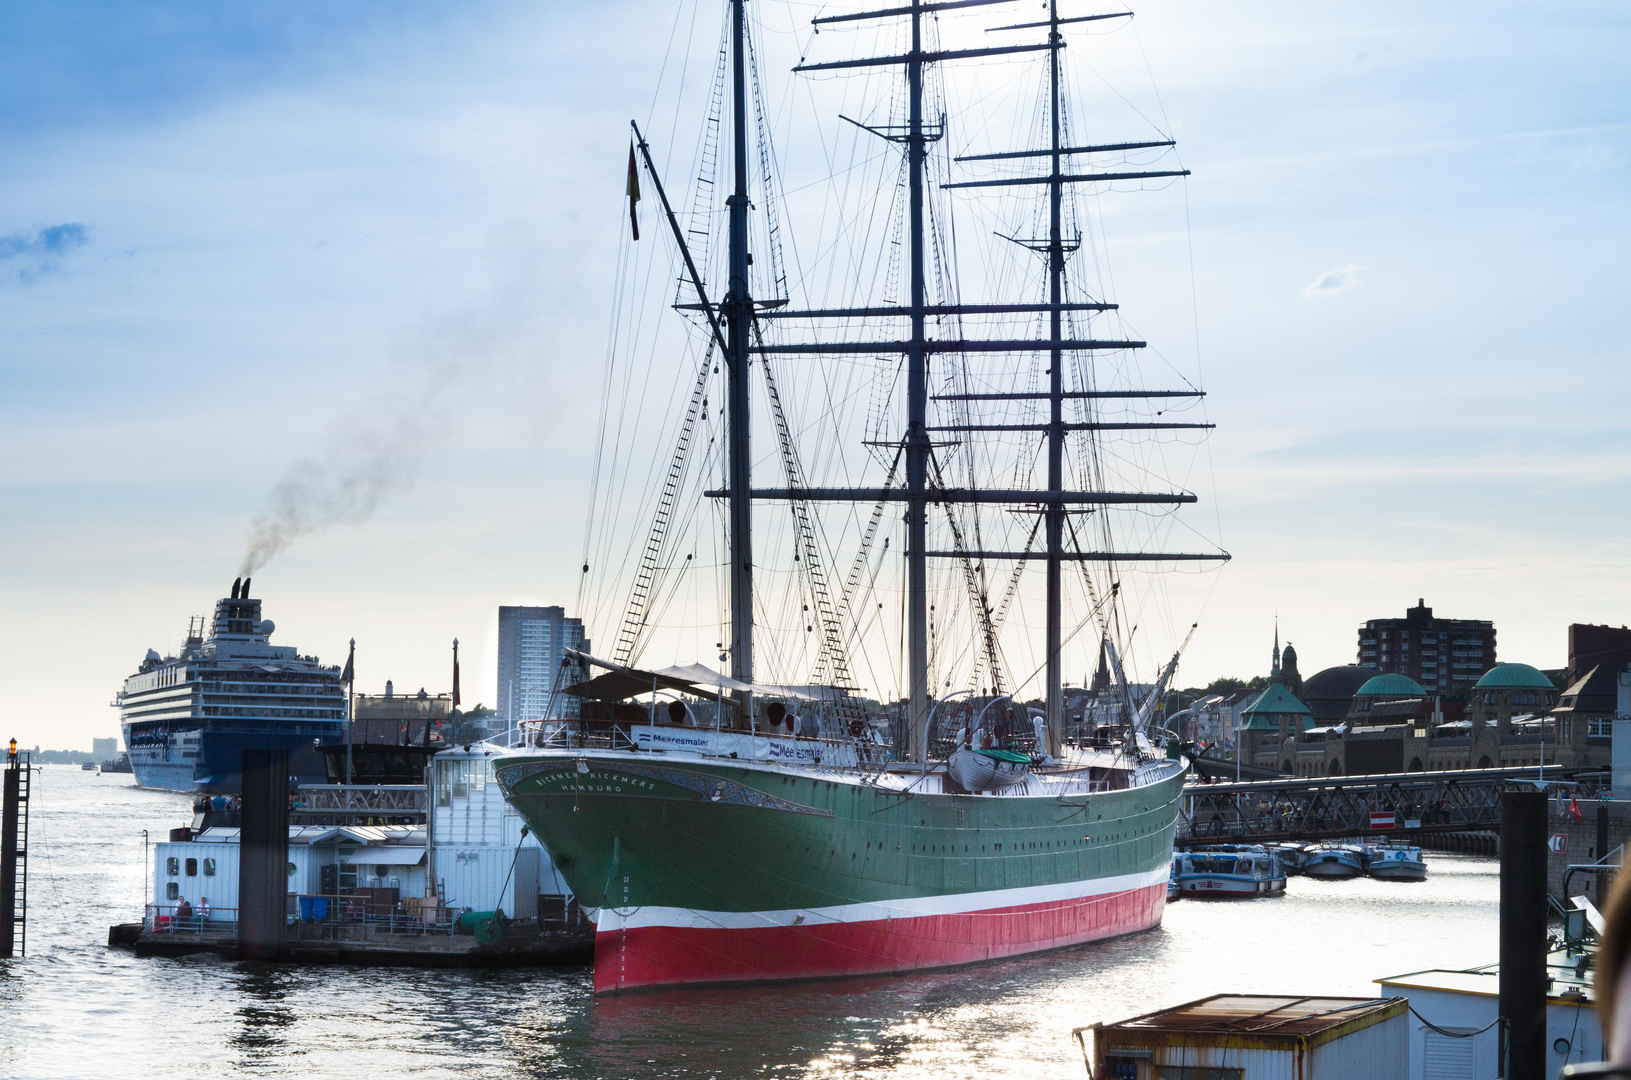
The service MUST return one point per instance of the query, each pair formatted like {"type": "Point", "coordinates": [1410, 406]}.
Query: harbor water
{"type": "Point", "coordinates": [76, 1008]}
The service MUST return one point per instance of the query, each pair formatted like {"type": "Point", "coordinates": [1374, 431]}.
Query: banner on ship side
{"type": "Point", "coordinates": [743, 746]}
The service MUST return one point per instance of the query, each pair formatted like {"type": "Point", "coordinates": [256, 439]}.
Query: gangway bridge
{"type": "Point", "coordinates": [1330, 807]}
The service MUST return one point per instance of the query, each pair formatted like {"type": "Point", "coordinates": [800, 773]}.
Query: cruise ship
{"type": "Point", "coordinates": [188, 718]}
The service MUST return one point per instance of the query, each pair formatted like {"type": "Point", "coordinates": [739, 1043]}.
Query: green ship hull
{"type": "Point", "coordinates": [706, 870]}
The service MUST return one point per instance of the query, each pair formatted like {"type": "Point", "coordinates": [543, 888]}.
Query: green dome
{"type": "Point", "coordinates": [1392, 686]}
{"type": "Point", "coordinates": [1513, 677]}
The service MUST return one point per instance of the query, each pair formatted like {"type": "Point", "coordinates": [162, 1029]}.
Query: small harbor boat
{"type": "Point", "coordinates": [1334, 861]}
{"type": "Point", "coordinates": [1229, 871]}
{"type": "Point", "coordinates": [120, 764]}
{"type": "Point", "coordinates": [87, 766]}
{"type": "Point", "coordinates": [1395, 862]}
{"type": "Point", "coordinates": [1174, 890]}
{"type": "Point", "coordinates": [1291, 856]}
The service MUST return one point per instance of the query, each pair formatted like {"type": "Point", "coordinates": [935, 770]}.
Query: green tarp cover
{"type": "Point", "coordinates": [1006, 755]}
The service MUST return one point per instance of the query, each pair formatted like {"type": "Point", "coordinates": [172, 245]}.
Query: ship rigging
{"type": "Point", "coordinates": [948, 384]}
{"type": "Point", "coordinates": [758, 827]}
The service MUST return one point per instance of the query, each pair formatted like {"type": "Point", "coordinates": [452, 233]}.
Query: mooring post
{"type": "Point", "coordinates": [8, 852]}
{"type": "Point", "coordinates": [263, 854]}
{"type": "Point", "coordinates": [1523, 932]}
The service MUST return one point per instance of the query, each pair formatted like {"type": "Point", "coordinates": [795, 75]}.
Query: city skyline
{"type": "Point", "coordinates": [1407, 233]}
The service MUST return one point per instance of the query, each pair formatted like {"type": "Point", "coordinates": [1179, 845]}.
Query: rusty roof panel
{"type": "Point", "coordinates": [1258, 1014]}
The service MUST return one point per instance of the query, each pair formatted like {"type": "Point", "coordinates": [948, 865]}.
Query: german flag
{"type": "Point", "coordinates": [634, 194]}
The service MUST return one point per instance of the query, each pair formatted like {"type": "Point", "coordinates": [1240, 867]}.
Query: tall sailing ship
{"type": "Point", "coordinates": [771, 823]}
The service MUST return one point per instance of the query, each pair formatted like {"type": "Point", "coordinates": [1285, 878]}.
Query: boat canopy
{"type": "Point", "coordinates": [620, 682]}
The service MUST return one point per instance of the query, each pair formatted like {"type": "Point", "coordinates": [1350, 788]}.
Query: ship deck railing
{"type": "Point", "coordinates": [873, 758]}
{"type": "Point", "coordinates": [876, 760]}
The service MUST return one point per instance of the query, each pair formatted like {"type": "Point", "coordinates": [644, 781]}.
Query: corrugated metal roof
{"type": "Point", "coordinates": [1257, 1014]}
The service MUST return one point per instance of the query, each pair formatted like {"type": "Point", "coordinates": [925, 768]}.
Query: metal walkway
{"type": "Point", "coordinates": [1330, 807]}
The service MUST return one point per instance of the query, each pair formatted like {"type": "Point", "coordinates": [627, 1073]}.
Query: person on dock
{"type": "Point", "coordinates": [184, 912]}
{"type": "Point", "coordinates": [203, 910]}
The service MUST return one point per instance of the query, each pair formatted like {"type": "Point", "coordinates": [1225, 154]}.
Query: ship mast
{"type": "Point", "coordinates": [737, 310]}
{"type": "Point", "coordinates": [917, 410]}
{"type": "Point", "coordinates": [918, 348]}
{"type": "Point", "coordinates": [1054, 700]}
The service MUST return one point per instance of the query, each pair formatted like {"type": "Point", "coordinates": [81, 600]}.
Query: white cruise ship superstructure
{"type": "Point", "coordinates": [188, 718]}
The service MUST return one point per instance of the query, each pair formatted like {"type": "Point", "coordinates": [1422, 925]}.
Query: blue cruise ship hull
{"type": "Point", "coordinates": [188, 717]}
{"type": "Point", "coordinates": [218, 764]}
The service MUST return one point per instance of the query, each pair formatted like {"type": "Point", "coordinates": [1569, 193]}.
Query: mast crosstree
{"type": "Point", "coordinates": [918, 348]}
{"type": "Point", "coordinates": [739, 344]}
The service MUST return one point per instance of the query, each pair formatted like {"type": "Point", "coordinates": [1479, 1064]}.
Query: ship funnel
{"type": "Point", "coordinates": [235, 584]}
{"type": "Point", "coordinates": [244, 595]}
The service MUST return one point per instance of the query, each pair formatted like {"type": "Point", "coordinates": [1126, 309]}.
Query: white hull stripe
{"type": "Point", "coordinates": [915, 907]}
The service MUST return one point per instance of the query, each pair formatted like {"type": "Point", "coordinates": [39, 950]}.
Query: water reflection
{"type": "Point", "coordinates": [74, 1008]}
{"type": "Point", "coordinates": [264, 1017]}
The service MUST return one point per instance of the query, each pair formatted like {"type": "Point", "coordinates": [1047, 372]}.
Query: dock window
{"type": "Point", "coordinates": [172, 866]}
{"type": "Point", "coordinates": [209, 867]}
{"type": "Point", "coordinates": [172, 891]}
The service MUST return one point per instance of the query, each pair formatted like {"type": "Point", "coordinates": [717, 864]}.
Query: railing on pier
{"type": "Point", "coordinates": [347, 916]}
{"type": "Point", "coordinates": [168, 919]}
{"type": "Point", "coordinates": [1302, 808]}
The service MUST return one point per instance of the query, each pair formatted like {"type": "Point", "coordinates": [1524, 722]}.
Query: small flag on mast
{"type": "Point", "coordinates": [634, 194]}
{"type": "Point", "coordinates": [349, 675]}
{"type": "Point", "coordinates": [455, 673]}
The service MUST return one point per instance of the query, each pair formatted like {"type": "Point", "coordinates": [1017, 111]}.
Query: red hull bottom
{"type": "Point", "coordinates": [656, 956]}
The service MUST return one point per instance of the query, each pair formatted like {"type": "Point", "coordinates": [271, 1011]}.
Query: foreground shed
{"type": "Point", "coordinates": [1254, 1037]}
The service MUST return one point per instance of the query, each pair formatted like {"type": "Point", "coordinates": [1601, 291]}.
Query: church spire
{"type": "Point", "coordinates": [1274, 672]}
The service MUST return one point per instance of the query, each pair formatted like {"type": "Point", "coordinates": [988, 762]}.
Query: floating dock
{"type": "Point", "coordinates": [378, 943]}
{"type": "Point", "coordinates": [440, 874]}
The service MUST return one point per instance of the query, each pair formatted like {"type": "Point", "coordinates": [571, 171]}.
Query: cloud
{"type": "Point", "coordinates": [1343, 277]}
{"type": "Point", "coordinates": [36, 253]}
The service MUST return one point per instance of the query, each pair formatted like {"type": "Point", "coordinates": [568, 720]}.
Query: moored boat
{"type": "Point", "coordinates": [1230, 871]}
{"type": "Point", "coordinates": [1291, 856]}
{"type": "Point", "coordinates": [1334, 861]}
{"type": "Point", "coordinates": [1395, 862]}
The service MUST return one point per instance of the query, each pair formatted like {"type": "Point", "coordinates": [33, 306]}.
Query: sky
{"type": "Point", "coordinates": [239, 239]}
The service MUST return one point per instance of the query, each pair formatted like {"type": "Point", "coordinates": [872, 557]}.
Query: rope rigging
{"type": "Point", "coordinates": [636, 611]}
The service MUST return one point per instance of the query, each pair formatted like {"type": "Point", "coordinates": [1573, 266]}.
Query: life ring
{"type": "Point", "coordinates": [855, 728]}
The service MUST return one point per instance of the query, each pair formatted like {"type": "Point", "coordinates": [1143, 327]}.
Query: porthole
{"type": "Point", "coordinates": [172, 866]}
{"type": "Point", "coordinates": [209, 867]}
{"type": "Point", "coordinates": [172, 890]}
{"type": "Point", "coordinates": [192, 867]}
{"type": "Point", "coordinates": [292, 869]}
